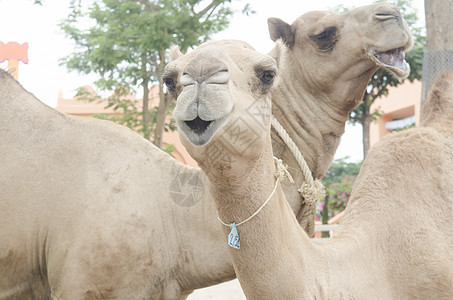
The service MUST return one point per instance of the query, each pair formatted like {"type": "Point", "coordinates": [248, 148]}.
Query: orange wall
{"type": "Point", "coordinates": [401, 102]}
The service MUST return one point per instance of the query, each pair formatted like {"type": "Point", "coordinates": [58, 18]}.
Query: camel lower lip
{"type": "Point", "coordinates": [198, 125]}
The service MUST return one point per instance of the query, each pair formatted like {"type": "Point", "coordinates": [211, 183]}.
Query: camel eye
{"type": "Point", "coordinates": [326, 40]}
{"type": "Point", "coordinates": [322, 36]}
{"type": "Point", "coordinates": [170, 83]}
{"type": "Point", "coordinates": [268, 77]}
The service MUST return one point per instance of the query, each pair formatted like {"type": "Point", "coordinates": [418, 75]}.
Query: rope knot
{"type": "Point", "coordinates": [312, 192]}
{"type": "Point", "coordinates": [281, 170]}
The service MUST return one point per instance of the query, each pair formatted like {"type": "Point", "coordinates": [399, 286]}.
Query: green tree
{"type": "Point", "coordinates": [339, 169]}
{"type": "Point", "coordinates": [383, 79]}
{"type": "Point", "coordinates": [338, 182]}
{"type": "Point", "coordinates": [126, 43]}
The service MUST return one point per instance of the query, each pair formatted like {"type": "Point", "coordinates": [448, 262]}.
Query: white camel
{"type": "Point", "coordinates": [396, 236]}
{"type": "Point", "coordinates": [89, 209]}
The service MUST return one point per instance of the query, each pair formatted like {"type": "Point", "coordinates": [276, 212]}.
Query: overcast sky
{"type": "Point", "coordinates": [22, 21]}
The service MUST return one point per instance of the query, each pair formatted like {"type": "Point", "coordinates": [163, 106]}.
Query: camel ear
{"type": "Point", "coordinates": [278, 53]}
{"type": "Point", "coordinates": [279, 29]}
{"type": "Point", "coordinates": [175, 53]}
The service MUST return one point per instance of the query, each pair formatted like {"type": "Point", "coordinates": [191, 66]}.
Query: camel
{"type": "Point", "coordinates": [327, 64]}
{"type": "Point", "coordinates": [89, 209]}
{"type": "Point", "coordinates": [395, 238]}
{"type": "Point", "coordinates": [80, 216]}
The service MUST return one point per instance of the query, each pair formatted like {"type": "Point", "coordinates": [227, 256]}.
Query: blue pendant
{"type": "Point", "coordinates": [233, 237]}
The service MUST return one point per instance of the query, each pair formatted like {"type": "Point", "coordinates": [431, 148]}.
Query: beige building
{"type": "Point", "coordinates": [87, 109]}
{"type": "Point", "coordinates": [400, 108]}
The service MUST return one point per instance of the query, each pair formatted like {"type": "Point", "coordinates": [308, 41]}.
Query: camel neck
{"type": "Point", "coordinates": [262, 240]}
{"type": "Point", "coordinates": [246, 190]}
{"type": "Point", "coordinates": [267, 237]}
{"type": "Point", "coordinates": [310, 122]}
{"type": "Point", "coordinates": [313, 110]}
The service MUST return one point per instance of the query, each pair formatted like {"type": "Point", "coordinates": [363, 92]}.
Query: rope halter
{"type": "Point", "coordinates": [311, 190]}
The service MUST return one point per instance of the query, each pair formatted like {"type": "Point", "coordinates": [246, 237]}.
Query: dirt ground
{"type": "Point", "coordinates": [230, 290]}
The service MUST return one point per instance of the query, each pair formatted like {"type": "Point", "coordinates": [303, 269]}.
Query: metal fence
{"type": "Point", "coordinates": [325, 228]}
{"type": "Point", "coordinates": [435, 62]}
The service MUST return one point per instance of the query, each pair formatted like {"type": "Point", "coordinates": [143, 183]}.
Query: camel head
{"type": "Point", "coordinates": [223, 102]}
{"type": "Point", "coordinates": [330, 48]}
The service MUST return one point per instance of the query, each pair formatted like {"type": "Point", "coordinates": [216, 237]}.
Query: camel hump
{"type": "Point", "coordinates": [5, 75]}
{"type": "Point", "coordinates": [7, 81]}
{"type": "Point", "coordinates": [439, 105]}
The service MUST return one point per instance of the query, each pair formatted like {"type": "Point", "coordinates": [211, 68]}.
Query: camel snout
{"type": "Point", "coordinates": [206, 67]}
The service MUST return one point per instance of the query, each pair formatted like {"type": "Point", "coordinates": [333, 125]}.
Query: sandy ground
{"type": "Point", "coordinates": [230, 290]}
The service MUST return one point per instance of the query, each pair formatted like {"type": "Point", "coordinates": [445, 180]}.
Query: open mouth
{"type": "Point", "coordinates": [198, 131]}
{"type": "Point", "coordinates": [391, 57]}
{"type": "Point", "coordinates": [392, 60]}
{"type": "Point", "coordinates": [198, 126]}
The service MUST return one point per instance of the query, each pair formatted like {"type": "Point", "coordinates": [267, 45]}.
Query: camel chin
{"type": "Point", "coordinates": [200, 132]}
{"type": "Point", "coordinates": [392, 60]}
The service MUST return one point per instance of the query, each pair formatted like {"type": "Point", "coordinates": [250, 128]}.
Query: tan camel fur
{"type": "Point", "coordinates": [81, 215]}
{"type": "Point", "coordinates": [396, 237]}
{"type": "Point", "coordinates": [325, 69]}
{"type": "Point", "coordinates": [69, 186]}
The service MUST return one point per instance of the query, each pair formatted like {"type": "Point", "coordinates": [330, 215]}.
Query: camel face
{"type": "Point", "coordinates": [222, 90]}
{"type": "Point", "coordinates": [347, 45]}
{"type": "Point", "coordinates": [388, 38]}
{"type": "Point", "coordinates": [204, 102]}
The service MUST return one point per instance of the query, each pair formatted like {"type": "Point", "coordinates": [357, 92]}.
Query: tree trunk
{"type": "Point", "coordinates": [438, 56]}
{"type": "Point", "coordinates": [164, 104]}
{"type": "Point", "coordinates": [146, 121]}
{"type": "Point", "coordinates": [366, 121]}
{"type": "Point", "coordinates": [325, 215]}
{"type": "Point", "coordinates": [145, 108]}
{"type": "Point", "coordinates": [439, 28]}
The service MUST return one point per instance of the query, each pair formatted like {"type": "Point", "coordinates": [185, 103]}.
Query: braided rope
{"type": "Point", "coordinates": [310, 189]}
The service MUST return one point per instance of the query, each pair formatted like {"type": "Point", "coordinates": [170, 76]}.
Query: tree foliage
{"type": "Point", "coordinates": [339, 169]}
{"type": "Point", "coordinates": [125, 42]}
{"type": "Point", "coordinates": [338, 182]}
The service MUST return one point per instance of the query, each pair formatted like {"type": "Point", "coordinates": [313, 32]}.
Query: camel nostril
{"type": "Point", "coordinates": [198, 125]}
{"type": "Point", "coordinates": [385, 16]}
{"type": "Point", "coordinates": [387, 12]}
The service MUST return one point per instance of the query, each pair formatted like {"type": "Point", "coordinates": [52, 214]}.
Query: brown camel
{"type": "Point", "coordinates": [395, 240]}
{"type": "Point", "coordinates": [326, 67]}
